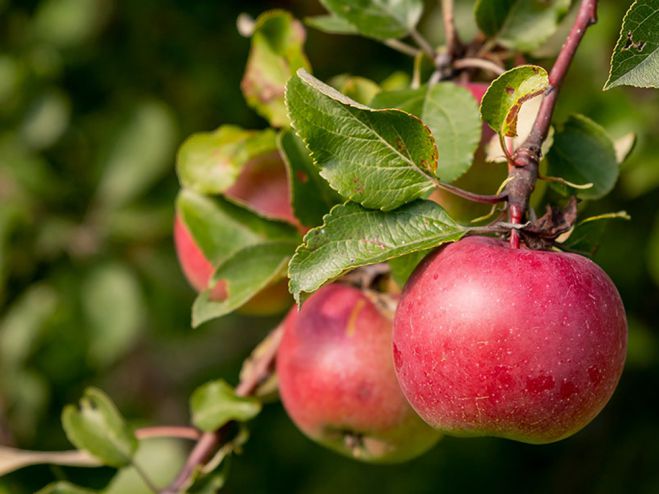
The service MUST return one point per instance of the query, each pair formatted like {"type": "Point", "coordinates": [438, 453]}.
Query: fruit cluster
{"type": "Point", "coordinates": [486, 340]}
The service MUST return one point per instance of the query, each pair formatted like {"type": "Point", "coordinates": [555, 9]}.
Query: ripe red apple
{"type": "Point", "coordinates": [263, 187]}
{"type": "Point", "coordinates": [477, 89]}
{"type": "Point", "coordinates": [522, 344]}
{"type": "Point", "coordinates": [337, 383]}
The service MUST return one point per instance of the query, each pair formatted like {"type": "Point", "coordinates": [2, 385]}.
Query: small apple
{"type": "Point", "coordinates": [337, 383]}
{"type": "Point", "coordinates": [516, 343]}
{"type": "Point", "coordinates": [263, 187]}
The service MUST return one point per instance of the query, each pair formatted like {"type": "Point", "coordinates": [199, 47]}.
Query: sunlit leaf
{"type": "Point", "coordinates": [96, 426]}
{"type": "Point", "coordinates": [216, 403]}
{"type": "Point", "coordinates": [352, 236]}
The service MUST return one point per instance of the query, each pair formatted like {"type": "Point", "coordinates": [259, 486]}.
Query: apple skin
{"type": "Point", "coordinates": [477, 89]}
{"type": "Point", "coordinates": [337, 383]}
{"type": "Point", "coordinates": [515, 343]}
{"type": "Point", "coordinates": [263, 187]}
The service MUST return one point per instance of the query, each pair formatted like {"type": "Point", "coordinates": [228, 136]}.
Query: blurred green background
{"type": "Point", "coordinates": [95, 97]}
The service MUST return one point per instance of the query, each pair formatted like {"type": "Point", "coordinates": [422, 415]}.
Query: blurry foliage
{"type": "Point", "coordinates": [95, 96]}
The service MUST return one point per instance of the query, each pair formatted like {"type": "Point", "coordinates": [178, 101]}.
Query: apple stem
{"type": "Point", "coordinates": [261, 367]}
{"type": "Point", "coordinates": [523, 167]}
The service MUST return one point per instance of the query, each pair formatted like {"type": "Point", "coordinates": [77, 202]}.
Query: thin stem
{"type": "Point", "coordinates": [450, 33]}
{"type": "Point", "coordinates": [423, 43]}
{"type": "Point", "coordinates": [479, 63]}
{"type": "Point", "coordinates": [173, 431]}
{"type": "Point", "coordinates": [402, 47]}
{"type": "Point", "coordinates": [262, 366]}
{"type": "Point", "coordinates": [524, 165]}
{"type": "Point", "coordinates": [470, 196]}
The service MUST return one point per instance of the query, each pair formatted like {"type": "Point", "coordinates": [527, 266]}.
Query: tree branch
{"type": "Point", "coordinates": [453, 43]}
{"type": "Point", "coordinates": [258, 367]}
{"type": "Point", "coordinates": [479, 63]}
{"type": "Point", "coordinates": [524, 170]}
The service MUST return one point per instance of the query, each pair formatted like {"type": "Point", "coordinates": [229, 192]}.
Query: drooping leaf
{"type": "Point", "coordinates": [331, 24]}
{"type": "Point", "coordinates": [64, 487]}
{"type": "Point", "coordinates": [245, 274]}
{"type": "Point", "coordinates": [276, 53]}
{"type": "Point", "coordinates": [140, 155]}
{"type": "Point", "coordinates": [635, 60]}
{"type": "Point", "coordinates": [378, 158]}
{"type": "Point", "coordinates": [379, 19]}
{"type": "Point", "coordinates": [311, 195]}
{"type": "Point", "coordinates": [210, 162]}
{"type": "Point", "coordinates": [221, 228]}
{"type": "Point", "coordinates": [112, 332]}
{"type": "Point", "coordinates": [352, 236]}
{"type": "Point", "coordinates": [586, 235]}
{"type": "Point", "coordinates": [525, 120]}
{"type": "Point", "coordinates": [506, 95]}
{"type": "Point", "coordinates": [583, 153]}
{"type": "Point", "coordinates": [215, 403]}
{"type": "Point", "coordinates": [97, 427]}
{"type": "Point", "coordinates": [520, 24]}
{"type": "Point", "coordinates": [451, 113]}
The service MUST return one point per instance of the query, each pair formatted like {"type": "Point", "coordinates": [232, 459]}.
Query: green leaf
{"type": "Point", "coordinates": [403, 267]}
{"type": "Point", "coordinates": [311, 195]}
{"type": "Point", "coordinates": [246, 273]}
{"type": "Point", "coordinates": [158, 458]}
{"type": "Point", "coordinates": [356, 88]}
{"type": "Point", "coordinates": [112, 332]}
{"type": "Point", "coordinates": [520, 24]}
{"type": "Point", "coordinates": [586, 235]}
{"type": "Point", "coordinates": [276, 53]}
{"type": "Point", "coordinates": [210, 162]}
{"type": "Point", "coordinates": [221, 228]}
{"type": "Point", "coordinates": [506, 95]}
{"type": "Point", "coordinates": [378, 158]}
{"type": "Point", "coordinates": [451, 113]}
{"type": "Point", "coordinates": [215, 403]}
{"type": "Point", "coordinates": [635, 60]}
{"type": "Point", "coordinates": [63, 487]}
{"type": "Point", "coordinates": [97, 427]}
{"type": "Point", "coordinates": [140, 155]}
{"type": "Point", "coordinates": [583, 153]}
{"type": "Point", "coordinates": [331, 24]}
{"type": "Point", "coordinates": [379, 19]}
{"type": "Point", "coordinates": [352, 236]}
{"type": "Point", "coordinates": [24, 324]}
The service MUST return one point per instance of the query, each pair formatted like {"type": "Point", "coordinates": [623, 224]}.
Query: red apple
{"type": "Point", "coordinates": [337, 382]}
{"type": "Point", "coordinates": [522, 344]}
{"type": "Point", "coordinates": [477, 89]}
{"type": "Point", "coordinates": [263, 187]}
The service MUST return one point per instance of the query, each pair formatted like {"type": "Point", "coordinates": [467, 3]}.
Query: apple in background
{"type": "Point", "coordinates": [515, 343]}
{"type": "Point", "coordinates": [477, 89]}
{"type": "Point", "coordinates": [337, 382]}
{"type": "Point", "coordinates": [263, 187]}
